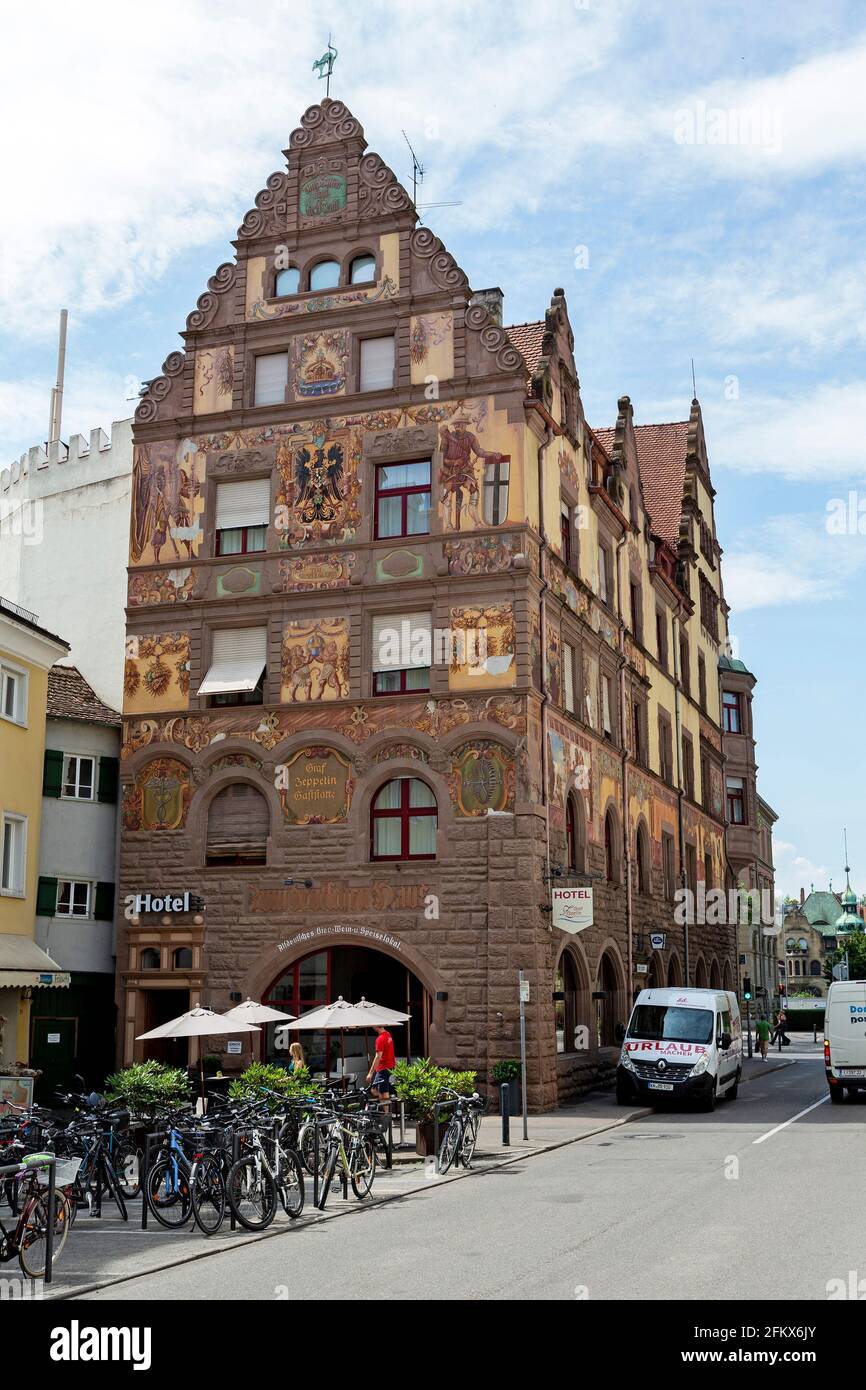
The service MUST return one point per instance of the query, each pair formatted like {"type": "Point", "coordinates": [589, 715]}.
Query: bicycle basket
{"type": "Point", "coordinates": [65, 1172]}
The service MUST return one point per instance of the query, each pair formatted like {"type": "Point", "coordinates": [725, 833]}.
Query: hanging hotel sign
{"type": "Point", "coordinates": [572, 909]}
{"type": "Point", "coordinates": [315, 787]}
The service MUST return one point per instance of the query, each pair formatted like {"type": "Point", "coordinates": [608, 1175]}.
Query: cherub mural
{"type": "Point", "coordinates": [461, 488]}
{"type": "Point", "coordinates": [315, 660]}
{"type": "Point", "coordinates": [166, 488]}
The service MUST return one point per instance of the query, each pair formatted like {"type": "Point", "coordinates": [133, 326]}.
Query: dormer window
{"type": "Point", "coordinates": [325, 276]}
{"type": "Point", "coordinates": [362, 270]}
{"type": "Point", "coordinates": [288, 281]}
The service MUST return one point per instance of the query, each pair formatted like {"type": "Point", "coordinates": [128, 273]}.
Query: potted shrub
{"type": "Point", "coordinates": [418, 1085]}
{"type": "Point", "coordinates": [508, 1072]}
{"type": "Point", "coordinates": [147, 1086]}
{"type": "Point", "coordinates": [267, 1076]}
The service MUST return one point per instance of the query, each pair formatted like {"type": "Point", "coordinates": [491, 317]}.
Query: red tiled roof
{"type": "Point", "coordinates": [527, 338]}
{"type": "Point", "coordinates": [70, 697]}
{"type": "Point", "coordinates": [661, 451]}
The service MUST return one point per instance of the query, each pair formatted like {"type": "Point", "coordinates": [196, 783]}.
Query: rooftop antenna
{"type": "Point", "coordinates": [417, 171]}
{"type": "Point", "coordinates": [694, 387]}
{"type": "Point", "coordinates": [325, 65]}
{"type": "Point", "coordinates": [847, 865]}
{"type": "Point", "coordinates": [57, 390]}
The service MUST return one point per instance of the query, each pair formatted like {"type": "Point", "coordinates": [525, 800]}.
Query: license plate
{"type": "Point", "coordinates": [660, 1085]}
{"type": "Point", "coordinates": [851, 1071]}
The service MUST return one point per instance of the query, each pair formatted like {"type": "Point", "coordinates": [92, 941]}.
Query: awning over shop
{"type": "Point", "coordinates": [23, 964]}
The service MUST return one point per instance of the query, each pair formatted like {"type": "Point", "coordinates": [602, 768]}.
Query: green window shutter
{"type": "Point", "coordinates": [108, 774]}
{"type": "Point", "coordinates": [104, 908]}
{"type": "Point", "coordinates": [46, 897]}
{"type": "Point", "coordinates": [52, 778]}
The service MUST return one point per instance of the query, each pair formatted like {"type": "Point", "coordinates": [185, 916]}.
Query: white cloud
{"type": "Point", "coordinates": [91, 397]}
{"type": "Point", "coordinates": [810, 436]}
{"type": "Point", "coordinates": [790, 559]}
{"type": "Point", "coordinates": [794, 870]}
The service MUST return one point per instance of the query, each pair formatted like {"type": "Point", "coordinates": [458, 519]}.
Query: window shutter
{"type": "Point", "coordinates": [46, 897]}
{"type": "Point", "coordinates": [103, 910]}
{"type": "Point", "coordinates": [272, 374]}
{"type": "Point", "coordinates": [568, 674]}
{"type": "Point", "coordinates": [377, 364]}
{"type": "Point", "coordinates": [402, 641]}
{"type": "Point", "coordinates": [246, 503]}
{"type": "Point", "coordinates": [238, 657]}
{"type": "Point", "coordinates": [108, 774]}
{"type": "Point", "coordinates": [52, 777]}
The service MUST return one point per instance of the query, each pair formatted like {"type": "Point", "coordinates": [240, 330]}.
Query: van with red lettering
{"type": "Point", "coordinates": [681, 1045]}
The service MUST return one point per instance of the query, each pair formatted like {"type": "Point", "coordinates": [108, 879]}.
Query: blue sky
{"type": "Point", "coordinates": [691, 174]}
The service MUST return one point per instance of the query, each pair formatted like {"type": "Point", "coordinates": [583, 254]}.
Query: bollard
{"type": "Point", "coordinates": [814, 1032]}
{"type": "Point", "coordinates": [505, 1108]}
{"type": "Point", "coordinates": [49, 1225]}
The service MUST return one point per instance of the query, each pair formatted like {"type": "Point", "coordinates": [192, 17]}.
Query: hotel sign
{"type": "Point", "coordinates": [572, 909]}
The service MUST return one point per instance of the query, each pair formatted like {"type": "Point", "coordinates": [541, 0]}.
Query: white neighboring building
{"type": "Point", "coordinates": [64, 542]}
{"type": "Point", "coordinates": [72, 1030]}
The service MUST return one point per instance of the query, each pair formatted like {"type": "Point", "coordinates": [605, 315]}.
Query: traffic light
{"type": "Point", "coordinates": [747, 987]}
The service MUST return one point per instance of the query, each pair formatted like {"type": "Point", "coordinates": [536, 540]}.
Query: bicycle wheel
{"type": "Point", "coordinates": [470, 1139]}
{"type": "Point", "coordinates": [208, 1191]}
{"type": "Point", "coordinates": [167, 1194]}
{"type": "Point", "coordinates": [252, 1195]}
{"type": "Point", "coordinates": [292, 1192]}
{"type": "Point", "coordinates": [307, 1148]}
{"type": "Point", "coordinates": [127, 1166]}
{"type": "Point", "coordinates": [449, 1146]}
{"type": "Point", "coordinates": [34, 1229]}
{"type": "Point", "coordinates": [362, 1168]}
{"type": "Point", "coordinates": [328, 1174]}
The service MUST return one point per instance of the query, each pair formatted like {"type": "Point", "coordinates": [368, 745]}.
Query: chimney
{"type": "Point", "coordinates": [802, 896]}
{"type": "Point", "coordinates": [491, 299]}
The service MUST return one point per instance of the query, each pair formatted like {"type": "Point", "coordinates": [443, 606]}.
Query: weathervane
{"type": "Point", "coordinates": [325, 65]}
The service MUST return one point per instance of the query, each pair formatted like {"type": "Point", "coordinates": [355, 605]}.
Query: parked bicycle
{"type": "Point", "coordinates": [461, 1136]}
{"type": "Point", "coordinates": [28, 1239]}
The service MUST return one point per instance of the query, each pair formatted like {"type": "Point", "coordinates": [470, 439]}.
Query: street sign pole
{"type": "Point", "coordinates": [523, 986]}
{"type": "Point", "coordinates": [749, 1026]}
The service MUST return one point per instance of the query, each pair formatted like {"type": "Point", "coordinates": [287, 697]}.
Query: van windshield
{"type": "Point", "coordinates": [665, 1023]}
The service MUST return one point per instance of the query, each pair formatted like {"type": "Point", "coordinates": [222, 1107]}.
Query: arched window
{"type": "Point", "coordinates": [288, 281]}
{"type": "Point", "coordinates": [611, 849]}
{"type": "Point", "coordinates": [403, 821]}
{"type": "Point", "coordinates": [565, 1002]}
{"type": "Point", "coordinates": [150, 959]}
{"type": "Point", "coordinates": [325, 275]}
{"type": "Point", "coordinates": [238, 825]}
{"type": "Point", "coordinates": [815, 967]}
{"type": "Point", "coordinates": [575, 836]}
{"type": "Point", "coordinates": [362, 270]}
{"type": "Point", "coordinates": [643, 859]}
{"type": "Point", "coordinates": [183, 958]}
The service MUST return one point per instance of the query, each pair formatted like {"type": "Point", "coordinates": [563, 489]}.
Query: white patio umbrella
{"type": "Point", "coordinates": [251, 1012]}
{"type": "Point", "coordinates": [197, 1023]}
{"type": "Point", "coordinates": [344, 1015]}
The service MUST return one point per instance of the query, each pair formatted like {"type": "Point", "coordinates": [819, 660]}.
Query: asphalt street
{"type": "Point", "coordinates": [675, 1206]}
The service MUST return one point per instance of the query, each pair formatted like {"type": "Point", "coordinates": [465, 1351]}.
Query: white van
{"type": "Point", "coordinates": [681, 1044]}
{"type": "Point", "coordinates": [845, 1037]}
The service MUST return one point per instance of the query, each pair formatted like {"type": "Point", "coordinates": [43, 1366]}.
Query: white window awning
{"type": "Point", "coordinates": [238, 658]}
{"type": "Point", "coordinates": [23, 963]}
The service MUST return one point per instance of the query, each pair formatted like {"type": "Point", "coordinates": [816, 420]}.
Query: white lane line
{"type": "Point", "coordinates": [798, 1116]}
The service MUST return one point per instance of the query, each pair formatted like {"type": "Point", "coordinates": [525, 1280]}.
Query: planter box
{"type": "Point", "coordinates": [424, 1136]}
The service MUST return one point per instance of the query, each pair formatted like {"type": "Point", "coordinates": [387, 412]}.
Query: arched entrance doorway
{"type": "Point", "coordinates": [351, 971]}
{"type": "Point", "coordinates": [728, 976]}
{"type": "Point", "coordinates": [654, 978]}
{"type": "Point", "coordinates": [609, 1001]}
{"type": "Point", "coordinates": [700, 973]}
{"type": "Point", "coordinates": [570, 999]}
{"type": "Point", "coordinates": [675, 972]}
{"type": "Point", "coordinates": [715, 975]}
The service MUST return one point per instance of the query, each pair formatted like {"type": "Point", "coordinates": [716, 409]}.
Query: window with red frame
{"type": "Point", "coordinates": [731, 721]}
{"type": "Point", "coordinates": [565, 532]}
{"type": "Point", "coordinates": [403, 821]}
{"type": "Point", "coordinates": [241, 540]}
{"type": "Point", "coordinates": [401, 682]}
{"type": "Point", "coordinates": [571, 835]}
{"type": "Point", "coordinates": [402, 499]}
{"type": "Point", "coordinates": [736, 801]}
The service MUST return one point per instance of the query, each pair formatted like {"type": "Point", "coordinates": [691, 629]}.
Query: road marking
{"type": "Point", "coordinates": [798, 1116]}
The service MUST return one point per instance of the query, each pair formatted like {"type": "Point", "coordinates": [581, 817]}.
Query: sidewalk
{"type": "Point", "coordinates": [100, 1253]}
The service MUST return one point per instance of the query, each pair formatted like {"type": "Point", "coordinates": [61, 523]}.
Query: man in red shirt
{"type": "Point", "coordinates": [383, 1065]}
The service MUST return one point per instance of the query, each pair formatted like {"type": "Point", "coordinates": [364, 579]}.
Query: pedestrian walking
{"type": "Point", "coordinates": [762, 1033]}
{"type": "Point", "coordinates": [779, 1029]}
{"type": "Point", "coordinates": [382, 1066]}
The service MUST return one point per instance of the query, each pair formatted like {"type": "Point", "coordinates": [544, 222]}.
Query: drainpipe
{"type": "Point", "coordinates": [680, 789]}
{"type": "Point", "coordinates": [629, 905]}
{"type": "Point", "coordinates": [542, 610]}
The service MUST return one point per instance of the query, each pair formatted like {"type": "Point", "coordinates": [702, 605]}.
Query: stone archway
{"type": "Point", "coordinates": [715, 974]}
{"type": "Point", "coordinates": [612, 1005]}
{"type": "Point", "coordinates": [675, 972]}
{"type": "Point", "coordinates": [700, 973]}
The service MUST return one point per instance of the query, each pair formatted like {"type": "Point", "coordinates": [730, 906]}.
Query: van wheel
{"type": "Point", "coordinates": [709, 1104]}
{"type": "Point", "coordinates": [624, 1096]}
{"type": "Point", "coordinates": [731, 1092]}
{"type": "Point", "coordinates": [837, 1094]}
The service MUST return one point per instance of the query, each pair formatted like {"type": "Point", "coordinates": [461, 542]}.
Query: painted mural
{"type": "Point", "coordinates": [465, 503]}
{"type": "Point", "coordinates": [484, 642]}
{"type": "Point", "coordinates": [317, 499]}
{"type": "Point", "coordinates": [167, 502]}
{"type": "Point", "coordinates": [357, 723]}
{"type": "Point", "coordinates": [240, 579]}
{"type": "Point", "coordinates": [156, 672]}
{"type": "Point", "coordinates": [319, 363]}
{"type": "Point", "coordinates": [315, 660]}
{"type": "Point", "coordinates": [431, 347]}
{"type": "Point", "coordinates": [569, 768]}
{"type": "Point", "coordinates": [160, 586]}
{"type": "Point", "coordinates": [481, 554]}
{"type": "Point", "coordinates": [307, 572]}
{"type": "Point", "coordinates": [482, 779]}
{"type": "Point", "coordinates": [553, 664]}
{"type": "Point", "coordinates": [315, 787]}
{"type": "Point", "coordinates": [214, 379]}
{"type": "Point", "coordinates": [159, 797]}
